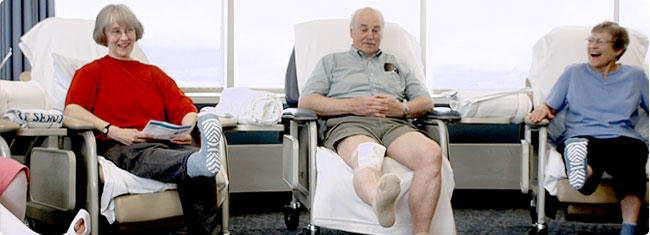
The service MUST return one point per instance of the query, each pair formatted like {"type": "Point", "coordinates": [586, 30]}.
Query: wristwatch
{"type": "Point", "coordinates": [105, 130]}
{"type": "Point", "coordinates": [405, 108]}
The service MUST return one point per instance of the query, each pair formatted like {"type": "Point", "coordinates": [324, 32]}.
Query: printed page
{"type": "Point", "coordinates": [165, 130]}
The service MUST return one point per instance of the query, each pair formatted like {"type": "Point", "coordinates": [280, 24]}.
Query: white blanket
{"type": "Point", "coordinates": [554, 170]}
{"type": "Point", "coordinates": [248, 106]}
{"type": "Point", "coordinates": [337, 206]}
{"type": "Point", "coordinates": [35, 118]}
{"type": "Point", "coordinates": [119, 182]}
{"type": "Point", "coordinates": [514, 105]}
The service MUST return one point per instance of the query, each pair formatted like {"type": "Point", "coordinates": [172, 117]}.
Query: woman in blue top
{"type": "Point", "coordinates": [601, 99]}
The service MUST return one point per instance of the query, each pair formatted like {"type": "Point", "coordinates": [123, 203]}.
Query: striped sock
{"type": "Point", "coordinates": [207, 161]}
{"type": "Point", "coordinates": [575, 160]}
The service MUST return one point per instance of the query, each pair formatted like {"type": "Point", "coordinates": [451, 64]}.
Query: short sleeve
{"type": "Point", "coordinates": [177, 104]}
{"type": "Point", "coordinates": [83, 88]}
{"type": "Point", "coordinates": [319, 80]}
{"type": "Point", "coordinates": [557, 98]}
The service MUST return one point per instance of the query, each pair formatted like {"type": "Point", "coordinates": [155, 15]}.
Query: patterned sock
{"type": "Point", "coordinates": [207, 161]}
{"type": "Point", "coordinates": [627, 228]}
{"type": "Point", "coordinates": [388, 189]}
{"type": "Point", "coordinates": [575, 160]}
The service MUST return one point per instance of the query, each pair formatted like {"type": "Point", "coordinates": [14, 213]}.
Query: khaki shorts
{"type": "Point", "coordinates": [382, 130]}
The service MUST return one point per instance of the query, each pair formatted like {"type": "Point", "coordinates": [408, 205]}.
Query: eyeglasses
{"type": "Point", "coordinates": [598, 41]}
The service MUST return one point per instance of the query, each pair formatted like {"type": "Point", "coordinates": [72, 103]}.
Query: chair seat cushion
{"type": "Point", "coordinates": [604, 194]}
{"type": "Point", "coordinates": [337, 206]}
{"type": "Point", "coordinates": [147, 207]}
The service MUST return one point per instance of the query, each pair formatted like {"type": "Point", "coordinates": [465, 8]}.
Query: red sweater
{"type": "Point", "coordinates": [128, 94]}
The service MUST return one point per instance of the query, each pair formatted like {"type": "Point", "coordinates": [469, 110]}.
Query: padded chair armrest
{"type": "Point", "coordinates": [6, 126]}
{"type": "Point", "coordinates": [541, 123]}
{"type": "Point", "coordinates": [443, 113]}
{"type": "Point", "coordinates": [299, 114]}
{"type": "Point", "coordinates": [76, 124]}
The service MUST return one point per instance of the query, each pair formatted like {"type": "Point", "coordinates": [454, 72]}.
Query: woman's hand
{"type": "Point", "coordinates": [542, 112]}
{"type": "Point", "coordinates": [127, 136]}
{"type": "Point", "coordinates": [187, 139]}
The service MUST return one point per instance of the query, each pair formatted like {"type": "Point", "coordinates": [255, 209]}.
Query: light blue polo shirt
{"type": "Point", "coordinates": [597, 107]}
{"type": "Point", "coordinates": [351, 74]}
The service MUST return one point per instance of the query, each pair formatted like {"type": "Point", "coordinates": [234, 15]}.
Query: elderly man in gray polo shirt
{"type": "Point", "coordinates": [365, 96]}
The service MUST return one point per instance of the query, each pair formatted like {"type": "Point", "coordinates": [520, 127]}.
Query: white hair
{"type": "Point", "coordinates": [354, 16]}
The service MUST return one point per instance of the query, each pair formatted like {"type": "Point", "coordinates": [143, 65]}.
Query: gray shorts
{"type": "Point", "coordinates": [382, 130]}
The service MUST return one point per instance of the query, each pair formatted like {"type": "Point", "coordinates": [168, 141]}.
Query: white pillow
{"type": "Point", "coordinates": [23, 95]}
{"type": "Point", "coordinates": [64, 69]}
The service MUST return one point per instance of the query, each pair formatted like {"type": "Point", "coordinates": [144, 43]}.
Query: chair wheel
{"type": "Point", "coordinates": [534, 231]}
{"type": "Point", "coordinates": [292, 215]}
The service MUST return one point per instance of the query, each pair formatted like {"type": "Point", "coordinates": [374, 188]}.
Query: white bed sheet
{"type": "Point", "coordinates": [337, 206]}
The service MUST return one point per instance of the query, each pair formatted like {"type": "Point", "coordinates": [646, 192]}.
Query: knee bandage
{"type": "Point", "coordinates": [370, 155]}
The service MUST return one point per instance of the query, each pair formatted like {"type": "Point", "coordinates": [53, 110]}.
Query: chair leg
{"type": "Point", "coordinates": [225, 215]}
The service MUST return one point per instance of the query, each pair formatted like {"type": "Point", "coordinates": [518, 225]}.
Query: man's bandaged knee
{"type": "Point", "coordinates": [370, 155]}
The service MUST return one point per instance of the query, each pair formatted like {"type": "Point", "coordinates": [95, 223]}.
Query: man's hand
{"type": "Point", "coordinates": [187, 139]}
{"type": "Point", "coordinates": [542, 112]}
{"type": "Point", "coordinates": [376, 106]}
{"type": "Point", "coordinates": [392, 107]}
{"type": "Point", "coordinates": [127, 136]}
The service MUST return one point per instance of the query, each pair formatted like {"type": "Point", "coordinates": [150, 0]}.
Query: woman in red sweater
{"type": "Point", "coordinates": [119, 95]}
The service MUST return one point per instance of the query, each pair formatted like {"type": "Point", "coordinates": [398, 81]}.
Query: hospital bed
{"type": "Point", "coordinates": [319, 179]}
{"type": "Point", "coordinates": [543, 170]}
{"type": "Point", "coordinates": [63, 160]}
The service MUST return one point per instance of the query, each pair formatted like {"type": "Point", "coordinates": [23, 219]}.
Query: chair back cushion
{"type": "Point", "coordinates": [564, 46]}
{"type": "Point", "coordinates": [315, 39]}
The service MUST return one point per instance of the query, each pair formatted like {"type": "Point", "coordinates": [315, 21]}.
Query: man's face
{"type": "Point", "coordinates": [367, 32]}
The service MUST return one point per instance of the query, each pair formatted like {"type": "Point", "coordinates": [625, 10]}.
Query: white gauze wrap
{"type": "Point", "coordinates": [370, 155]}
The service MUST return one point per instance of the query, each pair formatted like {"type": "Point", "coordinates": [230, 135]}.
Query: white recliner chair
{"type": "Point", "coordinates": [55, 191]}
{"type": "Point", "coordinates": [544, 169]}
{"type": "Point", "coordinates": [319, 178]}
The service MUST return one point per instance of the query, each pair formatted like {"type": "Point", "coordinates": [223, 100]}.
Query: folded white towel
{"type": "Point", "coordinates": [118, 182]}
{"type": "Point", "coordinates": [34, 118]}
{"type": "Point", "coordinates": [248, 106]}
{"type": "Point", "coordinates": [484, 104]}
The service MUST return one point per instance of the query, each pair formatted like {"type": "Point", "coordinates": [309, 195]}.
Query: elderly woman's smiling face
{"type": "Point", "coordinates": [120, 40]}
{"type": "Point", "coordinates": [601, 52]}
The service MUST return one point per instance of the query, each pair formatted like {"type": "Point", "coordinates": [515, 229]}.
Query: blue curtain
{"type": "Point", "coordinates": [16, 18]}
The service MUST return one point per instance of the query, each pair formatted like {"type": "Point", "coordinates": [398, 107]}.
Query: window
{"type": "Point", "coordinates": [184, 39]}
{"type": "Point", "coordinates": [487, 45]}
{"type": "Point", "coordinates": [264, 32]}
{"type": "Point", "coordinates": [634, 15]}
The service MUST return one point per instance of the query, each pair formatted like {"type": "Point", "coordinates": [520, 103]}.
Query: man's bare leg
{"type": "Point", "coordinates": [376, 190]}
{"type": "Point", "coordinates": [424, 157]}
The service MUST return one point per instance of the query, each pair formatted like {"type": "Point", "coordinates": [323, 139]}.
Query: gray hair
{"type": "Point", "coordinates": [354, 16]}
{"type": "Point", "coordinates": [620, 38]}
{"type": "Point", "coordinates": [119, 14]}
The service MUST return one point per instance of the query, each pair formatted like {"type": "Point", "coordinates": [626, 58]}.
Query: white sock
{"type": "Point", "coordinates": [388, 189]}
{"type": "Point", "coordinates": [207, 161]}
{"type": "Point", "coordinates": [81, 215]}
